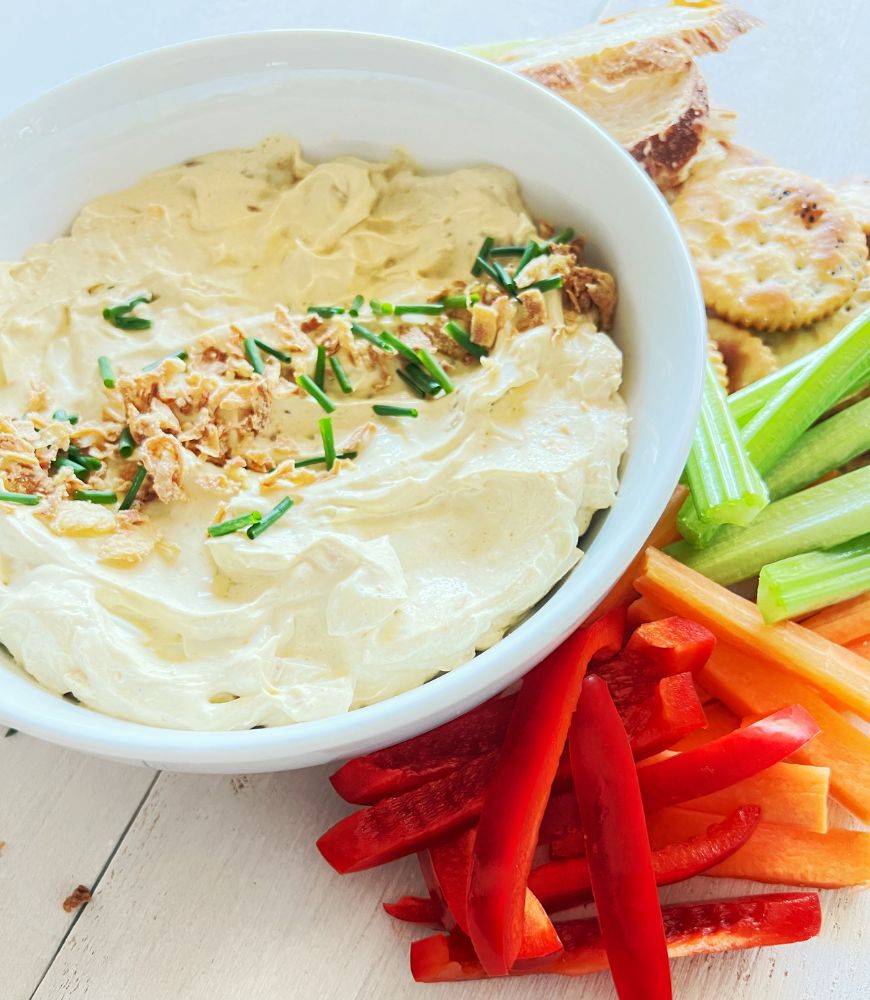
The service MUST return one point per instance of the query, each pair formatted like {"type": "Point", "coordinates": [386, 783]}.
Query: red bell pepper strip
{"type": "Point", "coordinates": [415, 910]}
{"type": "Point", "coordinates": [690, 929]}
{"type": "Point", "coordinates": [562, 884]}
{"type": "Point", "coordinates": [432, 755]}
{"type": "Point", "coordinates": [617, 847]}
{"type": "Point", "coordinates": [671, 646]}
{"type": "Point", "coordinates": [517, 796]}
{"type": "Point", "coordinates": [403, 824]}
{"type": "Point", "coordinates": [569, 845]}
{"type": "Point", "coordinates": [561, 817]}
{"type": "Point", "coordinates": [673, 711]}
{"type": "Point", "coordinates": [726, 761]}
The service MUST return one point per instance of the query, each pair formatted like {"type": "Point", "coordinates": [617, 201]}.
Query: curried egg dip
{"type": "Point", "coordinates": [279, 440]}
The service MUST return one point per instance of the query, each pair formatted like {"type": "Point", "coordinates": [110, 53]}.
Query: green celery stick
{"type": "Point", "coordinates": [746, 402]}
{"type": "Point", "coordinates": [814, 580]}
{"type": "Point", "coordinates": [817, 518]}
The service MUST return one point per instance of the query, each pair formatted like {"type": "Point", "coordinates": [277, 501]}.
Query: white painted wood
{"type": "Point", "coordinates": [216, 892]}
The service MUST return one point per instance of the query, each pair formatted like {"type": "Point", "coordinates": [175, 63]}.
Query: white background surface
{"type": "Point", "coordinates": [210, 888]}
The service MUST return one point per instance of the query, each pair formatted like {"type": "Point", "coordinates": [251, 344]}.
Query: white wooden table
{"type": "Point", "coordinates": [209, 888]}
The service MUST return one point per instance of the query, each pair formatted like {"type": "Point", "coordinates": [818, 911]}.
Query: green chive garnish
{"type": "Point", "coordinates": [545, 284]}
{"type": "Point", "coordinates": [327, 436]}
{"type": "Point", "coordinates": [326, 312]}
{"type": "Point", "coordinates": [126, 444]}
{"type": "Point", "coordinates": [423, 308]}
{"type": "Point", "coordinates": [412, 383]}
{"type": "Point", "coordinates": [252, 353]}
{"type": "Point", "coordinates": [513, 250]}
{"type": "Point", "coordinates": [285, 359]}
{"type": "Point", "coordinates": [563, 236]}
{"type": "Point", "coordinates": [68, 463]}
{"type": "Point", "coordinates": [357, 304]}
{"type": "Point", "coordinates": [504, 279]}
{"type": "Point", "coordinates": [181, 355]}
{"type": "Point", "coordinates": [320, 367]}
{"type": "Point", "coordinates": [25, 499]}
{"type": "Point", "coordinates": [460, 301]}
{"type": "Point", "coordinates": [316, 393]}
{"type": "Point", "coordinates": [340, 374]}
{"type": "Point", "coordinates": [73, 418]}
{"type": "Point", "coordinates": [96, 496]}
{"type": "Point", "coordinates": [398, 345]}
{"type": "Point", "coordinates": [533, 249]}
{"type": "Point", "coordinates": [382, 308]}
{"type": "Point", "coordinates": [383, 410]}
{"type": "Point", "coordinates": [85, 461]}
{"type": "Point", "coordinates": [106, 373]}
{"type": "Point", "coordinates": [482, 254]}
{"type": "Point", "coordinates": [414, 375]}
{"type": "Point", "coordinates": [120, 317]}
{"type": "Point", "coordinates": [301, 463]}
{"type": "Point", "coordinates": [279, 510]}
{"type": "Point", "coordinates": [462, 338]}
{"type": "Point", "coordinates": [234, 524]}
{"type": "Point", "coordinates": [135, 486]}
{"type": "Point", "coordinates": [435, 370]}
{"type": "Point", "coordinates": [10, 732]}
{"type": "Point", "coordinates": [358, 330]}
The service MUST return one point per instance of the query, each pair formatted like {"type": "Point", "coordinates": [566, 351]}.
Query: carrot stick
{"type": "Point", "coordinates": [776, 853]}
{"type": "Point", "coordinates": [861, 647]}
{"type": "Point", "coordinates": [750, 688]}
{"type": "Point", "coordinates": [662, 534]}
{"type": "Point", "coordinates": [791, 794]}
{"type": "Point", "coordinates": [720, 722]}
{"type": "Point", "coordinates": [845, 622]}
{"type": "Point", "coordinates": [827, 666]}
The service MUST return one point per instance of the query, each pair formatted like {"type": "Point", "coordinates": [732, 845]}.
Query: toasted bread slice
{"type": "Point", "coordinates": [642, 42]}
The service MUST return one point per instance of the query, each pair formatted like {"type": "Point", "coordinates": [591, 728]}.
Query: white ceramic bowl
{"type": "Point", "coordinates": [343, 92]}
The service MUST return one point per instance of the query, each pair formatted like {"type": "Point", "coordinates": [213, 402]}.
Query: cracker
{"type": "Point", "coordinates": [717, 362]}
{"type": "Point", "coordinates": [854, 193]}
{"type": "Point", "coordinates": [747, 358]}
{"type": "Point", "coordinates": [774, 250]}
{"type": "Point", "coordinates": [794, 344]}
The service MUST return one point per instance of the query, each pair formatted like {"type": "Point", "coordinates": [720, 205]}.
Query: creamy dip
{"type": "Point", "coordinates": [396, 564]}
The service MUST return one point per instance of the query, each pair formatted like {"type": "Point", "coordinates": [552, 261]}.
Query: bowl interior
{"type": "Point", "coordinates": [341, 92]}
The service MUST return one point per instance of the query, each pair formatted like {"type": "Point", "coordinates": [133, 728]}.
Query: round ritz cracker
{"type": "Point", "coordinates": [854, 193]}
{"type": "Point", "coordinates": [774, 250]}
{"type": "Point", "coordinates": [746, 357]}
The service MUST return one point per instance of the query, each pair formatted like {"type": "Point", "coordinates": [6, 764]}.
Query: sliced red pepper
{"type": "Point", "coordinates": [672, 645]}
{"type": "Point", "coordinates": [690, 928]}
{"type": "Point", "coordinates": [403, 824]}
{"type": "Point", "coordinates": [415, 910]}
{"type": "Point", "coordinates": [517, 796]}
{"type": "Point", "coordinates": [562, 884]}
{"type": "Point", "coordinates": [432, 755]}
{"type": "Point", "coordinates": [569, 845]}
{"type": "Point", "coordinates": [617, 847]}
{"type": "Point", "coordinates": [723, 762]}
{"type": "Point", "coordinates": [561, 817]}
{"type": "Point", "coordinates": [665, 717]}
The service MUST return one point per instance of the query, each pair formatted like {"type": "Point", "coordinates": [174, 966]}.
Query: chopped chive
{"type": "Point", "coordinates": [106, 373]}
{"type": "Point", "coordinates": [398, 345]}
{"type": "Point", "coordinates": [413, 385]}
{"type": "Point", "coordinates": [320, 367]}
{"type": "Point", "coordinates": [326, 312]}
{"type": "Point", "coordinates": [327, 436]}
{"type": "Point", "coordinates": [279, 510]}
{"type": "Point", "coordinates": [358, 330]}
{"type": "Point", "coordinates": [340, 374]}
{"type": "Point", "coordinates": [382, 308]}
{"type": "Point", "coordinates": [252, 353]}
{"type": "Point", "coordinates": [563, 236]}
{"type": "Point", "coordinates": [10, 732]}
{"type": "Point", "coordinates": [85, 461]}
{"type": "Point", "coordinates": [285, 359]}
{"type": "Point", "coordinates": [460, 301]}
{"type": "Point", "coordinates": [73, 418]}
{"type": "Point", "coordinates": [301, 463]}
{"type": "Point", "coordinates": [68, 463]}
{"type": "Point", "coordinates": [96, 496]}
{"type": "Point", "coordinates": [422, 309]}
{"type": "Point", "coordinates": [489, 269]}
{"type": "Point", "coordinates": [234, 524]}
{"type": "Point", "coordinates": [533, 249]}
{"type": "Point", "coordinates": [421, 379]}
{"type": "Point", "coordinates": [119, 316]}
{"type": "Point", "coordinates": [462, 338]}
{"type": "Point", "coordinates": [181, 355]}
{"type": "Point", "coordinates": [316, 393]}
{"type": "Point", "coordinates": [512, 250]}
{"type": "Point", "coordinates": [545, 284]}
{"type": "Point", "coordinates": [435, 370]}
{"type": "Point", "coordinates": [357, 304]}
{"type": "Point", "coordinates": [25, 499]}
{"type": "Point", "coordinates": [504, 279]}
{"type": "Point", "coordinates": [482, 254]}
{"type": "Point", "coordinates": [135, 486]}
{"type": "Point", "coordinates": [383, 410]}
{"type": "Point", "coordinates": [126, 444]}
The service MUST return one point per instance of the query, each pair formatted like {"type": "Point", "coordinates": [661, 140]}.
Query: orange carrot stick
{"type": "Point", "coordinates": [845, 622]}
{"type": "Point", "coordinates": [816, 660]}
{"type": "Point", "coordinates": [776, 853]}
{"type": "Point", "coordinates": [861, 647]}
{"type": "Point", "coordinates": [720, 722]}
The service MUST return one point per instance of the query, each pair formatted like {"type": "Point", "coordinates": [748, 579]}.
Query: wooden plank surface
{"type": "Point", "coordinates": [215, 892]}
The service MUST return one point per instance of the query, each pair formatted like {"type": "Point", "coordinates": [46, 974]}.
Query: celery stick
{"type": "Point", "coordinates": [746, 402]}
{"type": "Point", "coordinates": [726, 488]}
{"type": "Point", "coordinates": [822, 516]}
{"type": "Point", "coordinates": [814, 580]}
{"type": "Point", "coordinates": [827, 446]}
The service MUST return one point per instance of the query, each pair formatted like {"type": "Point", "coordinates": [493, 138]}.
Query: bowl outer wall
{"type": "Point", "coordinates": [345, 92]}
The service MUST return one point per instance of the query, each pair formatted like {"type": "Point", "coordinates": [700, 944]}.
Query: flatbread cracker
{"type": "Point", "coordinates": [747, 358]}
{"type": "Point", "coordinates": [774, 250]}
{"type": "Point", "coordinates": [795, 344]}
{"type": "Point", "coordinates": [854, 193]}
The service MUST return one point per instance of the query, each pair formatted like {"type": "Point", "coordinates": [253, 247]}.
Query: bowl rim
{"type": "Point", "coordinates": [492, 670]}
